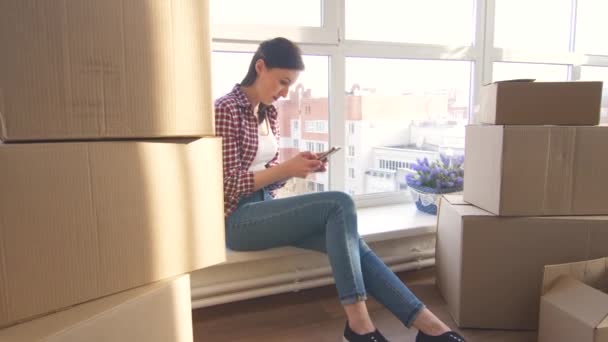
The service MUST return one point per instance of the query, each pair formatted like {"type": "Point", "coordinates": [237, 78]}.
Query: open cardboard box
{"type": "Point", "coordinates": [574, 302]}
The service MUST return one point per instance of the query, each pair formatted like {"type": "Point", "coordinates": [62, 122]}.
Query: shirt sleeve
{"type": "Point", "coordinates": [237, 181]}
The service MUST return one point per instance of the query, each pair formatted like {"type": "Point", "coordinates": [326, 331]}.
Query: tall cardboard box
{"type": "Point", "coordinates": [104, 69]}
{"type": "Point", "coordinates": [537, 170]}
{"type": "Point", "coordinates": [519, 102]}
{"type": "Point", "coordinates": [574, 304]}
{"type": "Point", "coordinates": [155, 313]}
{"type": "Point", "coordinates": [79, 221]}
{"type": "Point", "coordinates": [490, 268]}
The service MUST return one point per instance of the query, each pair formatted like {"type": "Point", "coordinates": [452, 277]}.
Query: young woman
{"type": "Point", "coordinates": [326, 222]}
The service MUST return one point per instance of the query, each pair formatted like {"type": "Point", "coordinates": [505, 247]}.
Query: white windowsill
{"type": "Point", "coordinates": [379, 223]}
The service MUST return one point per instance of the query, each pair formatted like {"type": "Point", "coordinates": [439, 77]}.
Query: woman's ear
{"type": "Point", "coordinates": [260, 65]}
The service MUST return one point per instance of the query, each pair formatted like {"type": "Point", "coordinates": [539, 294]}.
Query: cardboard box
{"type": "Point", "coordinates": [490, 268]}
{"type": "Point", "coordinates": [574, 304]}
{"type": "Point", "coordinates": [536, 170]}
{"type": "Point", "coordinates": [540, 103]}
{"type": "Point", "coordinates": [104, 69]}
{"type": "Point", "coordinates": [79, 221]}
{"type": "Point", "coordinates": [156, 313]}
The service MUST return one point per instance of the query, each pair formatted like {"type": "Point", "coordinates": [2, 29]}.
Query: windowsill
{"type": "Point", "coordinates": [379, 223]}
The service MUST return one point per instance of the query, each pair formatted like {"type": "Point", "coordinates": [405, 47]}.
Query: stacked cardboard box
{"type": "Point", "coordinates": [159, 312]}
{"type": "Point", "coordinates": [111, 176]}
{"type": "Point", "coordinates": [527, 189]}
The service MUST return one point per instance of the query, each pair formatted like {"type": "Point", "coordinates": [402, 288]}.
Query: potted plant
{"type": "Point", "coordinates": [431, 179]}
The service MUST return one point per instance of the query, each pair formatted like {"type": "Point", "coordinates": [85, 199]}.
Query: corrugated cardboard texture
{"type": "Point", "coordinates": [572, 307]}
{"type": "Point", "coordinates": [104, 69]}
{"type": "Point", "coordinates": [536, 170]}
{"type": "Point", "coordinates": [83, 220]}
{"type": "Point", "coordinates": [490, 268]}
{"type": "Point", "coordinates": [156, 313]}
{"type": "Point", "coordinates": [540, 103]}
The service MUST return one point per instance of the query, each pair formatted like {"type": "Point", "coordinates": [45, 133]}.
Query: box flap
{"type": "Point", "coordinates": [578, 300]}
{"type": "Point", "coordinates": [520, 80]}
{"type": "Point", "coordinates": [593, 273]}
{"type": "Point", "coordinates": [601, 332]}
{"type": "Point", "coordinates": [455, 199]}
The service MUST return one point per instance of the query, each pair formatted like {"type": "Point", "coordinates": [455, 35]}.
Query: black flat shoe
{"type": "Point", "coordinates": [351, 336]}
{"type": "Point", "coordinates": [449, 336]}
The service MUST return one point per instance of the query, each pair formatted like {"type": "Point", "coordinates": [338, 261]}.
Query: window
{"type": "Point", "coordinates": [320, 187]}
{"type": "Point", "coordinates": [591, 27]}
{"type": "Point", "coordinates": [397, 80]}
{"type": "Point", "coordinates": [315, 126]}
{"type": "Point", "coordinates": [283, 13]}
{"type": "Point", "coordinates": [523, 24]}
{"type": "Point", "coordinates": [411, 21]}
{"type": "Point", "coordinates": [402, 102]}
{"type": "Point", "coordinates": [351, 151]}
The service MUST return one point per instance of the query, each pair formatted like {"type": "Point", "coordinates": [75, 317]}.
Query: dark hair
{"type": "Point", "coordinates": [276, 53]}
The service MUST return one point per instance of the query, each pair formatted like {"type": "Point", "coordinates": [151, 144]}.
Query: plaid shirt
{"type": "Point", "coordinates": [236, 123]}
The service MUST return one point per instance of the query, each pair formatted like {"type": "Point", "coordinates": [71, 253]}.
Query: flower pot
{"type": "Point", "coordinates": [427, 199]}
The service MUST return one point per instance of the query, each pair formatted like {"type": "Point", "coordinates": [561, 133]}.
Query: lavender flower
{"type": "Point", "coordinates": [444, 173]}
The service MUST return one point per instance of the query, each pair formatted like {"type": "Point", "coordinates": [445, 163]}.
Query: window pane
{"type": "Point", "coordinates": [305, 107]}
{"type": "Point", "coordinates": [589, 73]}
{"type": "Point", "coordinates": [398, 111]}
{"type": "Point", "coordinates": [267, 12]}
{"type": "Point", "coordinates": [540, 72]}
{"type": "Point", "coordinates": [533, 25]}
{"type": "Point", "coordinates": [413, 21]}
{"type": "Point", "coordinates": [591, 27]}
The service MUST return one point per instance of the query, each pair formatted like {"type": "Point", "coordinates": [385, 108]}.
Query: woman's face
{"type": "Point", "coordinates": [273, 83]}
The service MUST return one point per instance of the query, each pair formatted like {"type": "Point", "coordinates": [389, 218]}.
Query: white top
{"type": "Point", "coordinates": [267, 147]}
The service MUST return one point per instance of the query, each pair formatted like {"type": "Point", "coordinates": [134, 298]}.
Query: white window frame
{"type": "Point", "coordinates": [329, 40]}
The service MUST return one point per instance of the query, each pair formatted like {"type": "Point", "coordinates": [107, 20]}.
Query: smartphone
{"type": "Point", "coordinates": [323, 156]}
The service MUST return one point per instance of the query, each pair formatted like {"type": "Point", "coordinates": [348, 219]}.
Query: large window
{"type": "Point", "coordinates": [404, 106]}
{"type": "Point", "coordinates": [533, 25]}
{"type": "Point", "coordinates": [411, 21]}
{"type": "Point", "coordinates": [392, 81]}
{"type": "Point", "coordinates": [266, 12]}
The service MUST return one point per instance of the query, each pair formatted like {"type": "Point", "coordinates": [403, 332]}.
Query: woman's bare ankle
{"type": "Point", "coordinates": [429, 324]}
{"type": "Point", "coordinates": [358, 318]}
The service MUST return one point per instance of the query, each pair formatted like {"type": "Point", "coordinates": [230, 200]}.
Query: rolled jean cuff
{"type": "Point", "coordinates": [352, 299]}
{"type": "Point", "coordinates": [414, 314]}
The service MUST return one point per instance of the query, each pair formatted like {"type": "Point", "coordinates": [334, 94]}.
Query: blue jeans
{"type": "Point", "coordinates": [324, 222]}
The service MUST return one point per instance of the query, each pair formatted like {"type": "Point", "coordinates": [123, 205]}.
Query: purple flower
{"type": "Point", "coordinates": [444, 172]}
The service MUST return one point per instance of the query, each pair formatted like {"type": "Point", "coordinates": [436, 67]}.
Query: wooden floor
{"type": "Point", "coordinates": [316, 315]}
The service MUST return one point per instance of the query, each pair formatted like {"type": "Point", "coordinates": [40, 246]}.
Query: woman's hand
{"type": "Point", "coordinates": [323, 167]}
{"type": "Point", "coordinates": [302, 164]}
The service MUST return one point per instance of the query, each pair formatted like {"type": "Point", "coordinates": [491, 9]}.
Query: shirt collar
{"type": "Point", "coordinates": [243, 101]}
{"type": "Point", "coordinates": [240, 96]}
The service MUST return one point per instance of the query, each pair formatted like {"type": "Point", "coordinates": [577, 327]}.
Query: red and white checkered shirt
{"type": "Point", "coordinates": [236, 123]}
